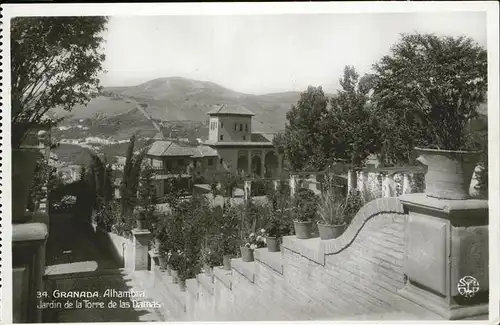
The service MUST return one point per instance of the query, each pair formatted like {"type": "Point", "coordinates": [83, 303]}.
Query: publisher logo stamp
{"type": "Point", "coordinates": [468, 286]}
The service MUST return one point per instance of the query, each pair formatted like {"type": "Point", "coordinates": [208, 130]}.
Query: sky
{"type": "Point", "coordinates": [261, 54]}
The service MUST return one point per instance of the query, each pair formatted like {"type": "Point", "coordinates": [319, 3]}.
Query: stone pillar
{"type": "Point", "coordinates": [388, 185]}
{"type": "Point", "coordinates": [276, 184]}
{"type": "Point", "coordinates": [352, 180]}
{"type": "Point", "coordinates": [406, 184]}
{"type": "Point", "coordinates": [446, 255]}
{"type": "Point", "coordinates": [263, 164]}
{"type": "Point", "coordinates": [141, 243]}
{"type": "Point", "coordinates": [249, 163]}
{"type": "Point", "coordinates": [293, 184]}
{"type": "Point", "coordinates": [362, 182]}
{"type": "Point", "coordinates": [247, 188]}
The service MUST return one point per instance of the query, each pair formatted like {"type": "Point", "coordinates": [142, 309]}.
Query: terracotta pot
{"type": "Point", "coordinates": [175, 276]}
{"type": "Point", "coordinates": [246, 254]}
{"type": "Point", "coordinates": [23, 169]}
{"type": "Point", "coordinates": [273, 244]}
{"type": "Point", "coordinates": [182, 285]}
{"type": "Point", "coordinates": [330, 231]}
{"type": "Point", "coordinates": [163, 262]}
{"type": "Point", "coordinates": [449, 173]}
{"type": "Point", "coordinates": [226, 262]}
{"type": "Point", "coordinates": [303, 229]}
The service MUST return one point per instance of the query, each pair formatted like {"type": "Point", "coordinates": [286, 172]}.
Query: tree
{"type": "Point", "coordinates": [55, 62]}
{"type": "Point", "coordinates": [130, 180]}
{"type": "Point", "coordinates": [305, 145]}
{"type": "Point", "coordinates": [427, 91]}
{"type": "Point", "coordinates": [351, 128]}
{"type": "Point", "coordinates": [146, 194]}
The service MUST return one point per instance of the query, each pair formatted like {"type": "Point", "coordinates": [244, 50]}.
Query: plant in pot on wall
{"type": "Point", "coordinates": [252, 243]}
{"type": "Point", "coordinates": [332, 211]}
{"type": "Point", "coordinates": [304, 212]}
{"type": "Point", "coordinates": [441, 83]}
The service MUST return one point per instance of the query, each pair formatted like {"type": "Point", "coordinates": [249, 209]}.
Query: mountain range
{"type": "Point", "coordinates": [176, 99]}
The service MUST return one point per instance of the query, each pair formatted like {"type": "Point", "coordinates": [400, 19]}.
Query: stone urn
{"type": "Point", "coordinates": [23, 169]}
{"type": "Point", "coordinates": [449, 172]}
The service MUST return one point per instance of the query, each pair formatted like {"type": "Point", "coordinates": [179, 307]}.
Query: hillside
{"type": "Point", "coordinates": [180, 99]}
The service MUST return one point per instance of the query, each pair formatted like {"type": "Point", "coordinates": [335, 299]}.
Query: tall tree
{"type": "Point", "coordinates": [427, 91]}
{"type": "Point", "coordinates": [131, 174]}
{"type": "Point", "coordinates": [55, 62]}
{"type": "Point", "coordinates": [351, 126]}
{"type": "Point", "coordinates": [305, 148]}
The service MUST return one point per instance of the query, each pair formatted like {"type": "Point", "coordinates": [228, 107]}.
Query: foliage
{"type": "Point", "coordinates": [306, 205]}
{"type": "Point", "coordinates": [350, 128]}
{"type": "Point", "coordinates": [427, 90]}
{"type": "Point", "coordinates": [55, 62]}
{"type": "Point", "coordinates": [261, 187]}
{"type": "Point", "coordinates": [131, 174]}
{"type": "Point", "coordinates": [146, 200]}
{"type": "Point", "coordinates": [280, 222]}
{"type": "Point", "coordinates": [210, 255]}
{"type": "Point", "coordinates": [332, 208]}
{"type": "Point", "coordinates": [254, 241]}
{"type": "Point", "coordinates": [228, 221]}
{"type": "Point", "coordinates": [40, 180]}
{"type": "Point", "coordinates": [228, 182]}
{"type": "Point", "coordinates": [305, 144]}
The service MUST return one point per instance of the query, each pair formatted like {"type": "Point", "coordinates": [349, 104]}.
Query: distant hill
{"type": "Point", "coordinates": [181, 99]}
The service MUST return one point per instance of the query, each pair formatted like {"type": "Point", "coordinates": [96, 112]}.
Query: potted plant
{"type": "Point", "coordinates": [304, 212]}
{"type": "Point", "coordinates": [332, 209]}
{"type": "Point", "coordinates": [253, 242]}
{"type": "Point", "coordinates": [210, 258]}
{"type": "Point", "coordinates": [440, 82]}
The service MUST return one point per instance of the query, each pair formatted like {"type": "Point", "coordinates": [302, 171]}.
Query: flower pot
{"type": "Point", "coordinates": [182, 285]}
{"type": "Point", "coordinates": [273, 244]}
{"type": "Point", "coordinates": [449, 173]}
{"type": "Point", "coordinates": [169, 270]}
{"type": "Point", "coordinates": [208, 270]}
{"type": "Point", "coordinates": [23, 169]}
{"type": "Point", "coordinates": [163, 262]}
{"type": "Point", "coordinates": [226, 262]}
{"type": "Point", "coordinates": [175, 276]}
{"type": "Point", "coordinates": [330, 231]}
{"type": "Point", "coordinates": [303, 229]}
{"type": "Point", "coordinates": [246, 254]}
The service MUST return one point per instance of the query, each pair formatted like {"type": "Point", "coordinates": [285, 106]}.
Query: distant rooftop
{"type": "Point", "coordinates": [226, 109]}
{"type": "Point", "coordinates": [168, 148]}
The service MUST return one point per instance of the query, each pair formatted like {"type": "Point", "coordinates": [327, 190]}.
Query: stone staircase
{"type": "Point", "coordinates": [357, 276]}
{"type": "Point", "coordinates": [261, 291]}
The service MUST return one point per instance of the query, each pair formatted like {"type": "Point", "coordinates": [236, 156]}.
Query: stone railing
{"type": "Point", "coordinates": [386, 182]}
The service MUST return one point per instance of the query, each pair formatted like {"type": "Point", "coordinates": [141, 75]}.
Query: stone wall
{"type": "Point", "coordinates": [120, 248]}
{"type": "Point", "coordinates": [357, 273]}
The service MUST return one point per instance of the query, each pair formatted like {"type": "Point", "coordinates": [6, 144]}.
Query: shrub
{"type": "Point", "coordinates": [332, 208]}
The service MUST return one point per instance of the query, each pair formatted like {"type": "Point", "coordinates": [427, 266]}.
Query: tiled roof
{"type": "Point", "coordinates": [230, 110]}
{"type": "Point", "coordinates": [204, 151]}
{"type": "Point", "coordinates": [170, 148]}
{"type": "Point", "coordinates": [262, 137]}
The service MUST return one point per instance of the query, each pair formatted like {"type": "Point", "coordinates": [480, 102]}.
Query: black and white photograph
{"type": "Point", "coordinates": [250, 162]}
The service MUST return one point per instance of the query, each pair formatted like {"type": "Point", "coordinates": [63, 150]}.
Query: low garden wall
{"type": "Point", "coordinates": [120, 248]}
{"type": "Point", "coordinates": [358, 273]}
